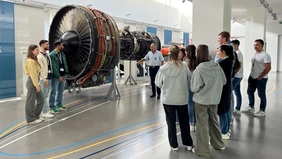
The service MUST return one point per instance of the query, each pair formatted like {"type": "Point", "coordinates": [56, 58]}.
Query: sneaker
{"type": "Point", "coordinates": [41, 118]}
{"type": "Point", "coordinates": [37, 121]}
{"type": "Point", "coordinates": [193, 150]}
{"type": "Point", "coordinates": [225, 136]}
{"type": "Point", "coordinates": [231, 121]}
{"type": "Point", "coordinates": [222, 148]}
{"type": "Point", "coordinates": [61, 107]}
{"type": "Point", "coordinates": [54, 110]}
{"type": "Point", "coordinates": [47, 115]}
{"type": "Point", "coordinates": [259, 113]}
{"type": "Point", "coordinates": [152, 96]}
{"type": "Point", "coordinates": [158, 97]}
{"type": "Point", "coordinates": [249, 110]}
{"type": "Point", "coordinates": [192, 128]}
{"type": "Point", "coordinates": [189, 148]}
{"type": "Point", "coordinates": [174, 149]}
{"type": "Point", "coordinates": [237, 112]}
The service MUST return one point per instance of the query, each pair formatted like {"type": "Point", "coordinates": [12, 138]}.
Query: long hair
{"type": "Point", "coordinates": [184, 54]}
{"type": "Point", "coordinates": [228, 49]}
{"type": "Point", "coordinates": [202, 54]}
{"type": "Point", "coordinates": [30, 55]}
{"type": "Point", "coordinates": [191, 56]}
{"type": "Point", "coordinates": [173, 56]}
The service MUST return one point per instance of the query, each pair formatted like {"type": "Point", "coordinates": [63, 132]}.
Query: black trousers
{"type": "Point", "coordinates": [153, 72]}
{"type": "Point", "coordinates": [182, 111]}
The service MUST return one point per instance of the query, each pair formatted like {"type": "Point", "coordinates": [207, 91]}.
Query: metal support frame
{"type": "Point", "coordinates": [113, 92]}
{"type": "Point", "coordinates": [129, 78]}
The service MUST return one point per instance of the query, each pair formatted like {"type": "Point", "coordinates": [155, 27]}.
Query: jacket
{"type": "Point", "coordinates": [174, 81]}
{"type": "Point", "coordinates": [44, 66]}
{"type": "Point", "coordinates": [207, 82]}
{"type": "Point", "coordinates": [55, 62]}
{"type": "Point", "coordinates": [32, 69]}
{"type": "Point", "coordinates": [225, 101]}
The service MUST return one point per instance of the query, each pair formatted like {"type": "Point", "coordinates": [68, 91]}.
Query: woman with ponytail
{"type": "Point", "coordinates": [173, 78]}
{"type": "Point", "coordinates": [225, 53]}
{"type": "Point", "coordinates": [34, 93]}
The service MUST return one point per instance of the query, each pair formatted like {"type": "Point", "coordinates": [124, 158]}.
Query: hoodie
{"type": "Point", "coordinates": [207, 83]}
{"type": "Point", "coordinates": [174, 82]}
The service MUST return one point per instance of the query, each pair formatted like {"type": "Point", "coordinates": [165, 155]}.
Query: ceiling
{"type": "Point", "coordinates": [239, 8]}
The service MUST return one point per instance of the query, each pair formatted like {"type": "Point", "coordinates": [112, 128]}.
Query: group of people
{"type": "Point", "coordinates": [46, 80]}
{"type": "Point", "coordinates": [195, 88]}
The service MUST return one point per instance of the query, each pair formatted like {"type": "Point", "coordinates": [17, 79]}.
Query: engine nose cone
{"type": "Point", "coordinates": [71, 41]}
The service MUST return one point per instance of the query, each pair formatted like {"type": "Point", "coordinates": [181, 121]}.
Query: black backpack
{"type": "Point", "coordinates": [236, 63]}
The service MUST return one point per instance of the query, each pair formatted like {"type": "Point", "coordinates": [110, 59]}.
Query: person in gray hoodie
{"type": "Point", "coordinates": [173, 78]}
{"type": "Point", "coordinates": [207, 82]}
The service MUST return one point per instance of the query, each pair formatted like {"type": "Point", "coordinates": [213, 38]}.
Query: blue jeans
{"type": "Point", "coordinates": [237, 90]}
{"type": "Point", "coordinates": [224, 120]}
{"type": "Point", "coordinates": [45, 92]}
{"type": "Point", "coordinates": [260, 85]}
{"type": "Point", "coordinates": [56, 90]}
{"type": "Point", "coordinates": [191, 109]}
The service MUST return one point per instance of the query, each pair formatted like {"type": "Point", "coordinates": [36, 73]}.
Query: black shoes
{"type": "Point", "coordinates": [158, 97]}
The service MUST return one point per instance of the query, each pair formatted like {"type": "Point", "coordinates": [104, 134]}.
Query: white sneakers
{"type": "Point", "coordinates": [225, 136]}
{"type": "Point", "coordinates": [48, 115]}
{"type": "Point", "coordinates": [192, 128]}
{"type": "Point", "coordinates": [189, 148]}
{"type": "Point", "coordinates": [252, 110]}
{"type": "Point", "coordinates": [237, 112]}
{"type": "Point", "coordinates": [259, 113]}
{"type": "Point", "coordinates": [35, 122]}
{"type": "Point", "coordinates": [249, 110]}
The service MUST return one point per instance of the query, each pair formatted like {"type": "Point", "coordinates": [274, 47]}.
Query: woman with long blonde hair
{"type": "Point", "coordinates": [173, 78]}
{"type": "Point", "coordinates": [34, 93]}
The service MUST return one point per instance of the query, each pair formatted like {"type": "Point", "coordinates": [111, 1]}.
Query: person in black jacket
{"type": "Point", "coordinates": [225, 53]}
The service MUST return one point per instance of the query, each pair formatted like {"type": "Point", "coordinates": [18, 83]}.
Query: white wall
{"type": "Point", "coordinates": [29, 29]}
{"type": "Point", "coordinates": [145, 11]}
{"type": "Point", "coordinates": [176, 37]}
{"type": "Point", "coordinates": [274, 27]}
{"type": "Point", "coordinates": [238, 31]}
{"type": "Point", "coordinates": [279, 58]}
{"type": "Point", "coordinates": [272, 49]}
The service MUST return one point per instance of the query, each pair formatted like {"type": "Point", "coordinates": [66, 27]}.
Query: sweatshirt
{"type": "Point", "coordinates": [207, 83]}
{"type": "Point", "coordinates": [44, 66]}
{"type": "Point", "coordinates": [174, 82]}
{"type": "Point", "coordinates": [32, 69]}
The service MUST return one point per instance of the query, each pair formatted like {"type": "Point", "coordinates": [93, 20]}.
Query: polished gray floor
{"type": "Point", "coordinates": [132, 127]}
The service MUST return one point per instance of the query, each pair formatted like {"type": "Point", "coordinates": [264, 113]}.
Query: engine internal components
{"type": "Point", "coordinates": [135, 45]}
{"type": "Point", "coordinates": [91, 43]}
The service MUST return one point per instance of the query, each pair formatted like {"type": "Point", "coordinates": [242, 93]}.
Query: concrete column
{"type": "Point", "coordinates": [210, 17]}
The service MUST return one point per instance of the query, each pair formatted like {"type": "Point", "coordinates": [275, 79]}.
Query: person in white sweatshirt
{"type": "Point", "coordinates": [207, 82]}
{"type": "Point", "coordinates": [45, 76]}
{"type": "Point", "coordinates": [173, 78]}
